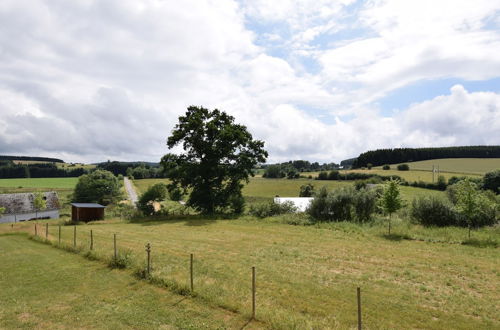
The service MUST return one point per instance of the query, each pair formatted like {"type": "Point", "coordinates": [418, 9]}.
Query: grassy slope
{"type": "Point", "coordinates": [48, 183]}
{"type": "Point", "coordinates": [457, 165]}
{"type": "Point", "coordinates": [261, 189]}
{"type": "Point", "coordinates": [43, 287]}
{"type": "Point", "coordinates": [307, 276]}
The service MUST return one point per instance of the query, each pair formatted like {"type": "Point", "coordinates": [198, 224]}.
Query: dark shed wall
{"type": "Point", "coordinates": [87, 213]}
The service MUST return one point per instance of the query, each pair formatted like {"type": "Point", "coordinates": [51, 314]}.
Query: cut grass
{"type": "Point", "coordinates": [455, 165]}
{"type": "Point", "coordinates": [307, 276]}
{"type": "Point", "coordinates": [49, 183]}
{"type": "Point", "coordinates": [44, 287]}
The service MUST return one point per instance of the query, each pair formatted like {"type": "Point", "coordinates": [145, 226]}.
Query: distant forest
{"type": "Point", "coordinates": [28, 158]}
{"type": "Point", "coordinates": [137, 170]}
{"type": "Point", "coordinates": [9, 170]}
{"type": "Point", "coordinates": [402, 155]}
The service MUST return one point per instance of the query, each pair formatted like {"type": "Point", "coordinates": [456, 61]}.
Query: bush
{"type": "Point", "coordinates": [97, 187]}
{"type": "Point", "coordinates": [386, 167]}
{"type": "Point", "coordinates": [334, 175]}
{"type": "Point", "coordinates": [155, 193]}
{"type": "Point", "coordinates": [433, 211]}
{"type": "Point", "coordinates": [403, 167]}
{"type": "Point", "coordinates": [271, 209]}
{"type": "Point", "coordinates": [491, 181]}
{"type": "Point", "coordinates": [323, 176]}
{"type": "Point", "coordinates": [344, 204]}
{"type": "Point", "coordinates": [369, 166]}
{"type": "Point", "coordinates": [306, 190]}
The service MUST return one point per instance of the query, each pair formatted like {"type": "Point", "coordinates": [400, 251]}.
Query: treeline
{"type": "Point", "coordinates": [28, 158]}
{"type": "Point", "coordinates": [9, 170]}
{"type": "Point", "coordinates": [401, 155]}
{"type": "Point", "coordinates": [293, 168]}
{"type": "Point", "coordinates": [136, 170]}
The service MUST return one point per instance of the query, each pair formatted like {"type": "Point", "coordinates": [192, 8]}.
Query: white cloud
{"type": "Point", "coordinates": [91, 80]}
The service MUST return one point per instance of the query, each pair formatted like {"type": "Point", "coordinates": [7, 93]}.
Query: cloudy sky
{"type": "Point", "coordinates": [319, 80]}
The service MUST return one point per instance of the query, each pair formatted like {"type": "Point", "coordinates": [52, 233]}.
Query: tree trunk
{"type": "Point", "coordinates": [390, 223]}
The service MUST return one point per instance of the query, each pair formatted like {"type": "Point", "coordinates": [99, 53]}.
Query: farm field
{"type": "Point", "coordinates": [456, 165]}
{"type": "Point", "coordinates": [307, 276]}
{"type": "Point", "coordinates": [59, 290]}
{"type": "Point", "coordinates": [413, 175]}
{"type": "Point", "coordinates": [261, 189]}
{"type": "Point", "coordinates": [48, 183]}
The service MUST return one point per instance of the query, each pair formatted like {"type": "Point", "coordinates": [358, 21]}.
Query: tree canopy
{"type": "Point", "coordinates": [97, 187]}
{"type": "Point", "coordinates": [218, 156]}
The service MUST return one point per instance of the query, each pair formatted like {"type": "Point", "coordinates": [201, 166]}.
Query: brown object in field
{"type": "Point", "coordinates": [87, 212]}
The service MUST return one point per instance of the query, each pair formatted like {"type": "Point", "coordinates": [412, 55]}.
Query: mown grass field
{"type": "Point", "coordinates": [456, 165]}
{"type": "Point", "coordinates": [414, 175]}
{"type": "Point", "coordinates": [307, 276]}
{"type": "Point", "coordinates": [43, 287]}
{"type": "Point", "coordinates": [261, 190]}
{"type": "Point", "coordinates": [46, 183]}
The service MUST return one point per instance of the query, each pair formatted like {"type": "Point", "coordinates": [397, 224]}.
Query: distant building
{"type": "Point", "coordinates": [87, 212]}
{"type": "Point", "coordinates": [301, 203]}
{"type": "Point", "coordinates": [21, 207]}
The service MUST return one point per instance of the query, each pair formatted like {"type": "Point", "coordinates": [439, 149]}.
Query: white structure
{"type": "Point", "coordinates": [301, 203]}
{"type": "Point", "coordinates": [20, 207]}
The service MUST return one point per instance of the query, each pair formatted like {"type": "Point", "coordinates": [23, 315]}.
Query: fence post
{"type": "Point", "coordinates": [59, 234]}
{"type": "Point", "coordinates": [359, 307]}
{"type": "Point", "coordinates": [74, 236]}
{"type": "Point", "coordinates": [253, 292]}
{"type": "Point", "coordinates": [148, 259]}
{"type": "Point", "coordinates": [114, 246]}
{"type": "Point", "coordinates": [47, 230]}
{"type": "Point", "coordinates": [91, 240]}
{"type": "Point", "coordinates": [36, 232]}
{"type": "Point", "coordinates": [191, 271]}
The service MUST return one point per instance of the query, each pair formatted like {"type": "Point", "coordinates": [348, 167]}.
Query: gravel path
{"type": "Point", "coordinates": [129, 187]}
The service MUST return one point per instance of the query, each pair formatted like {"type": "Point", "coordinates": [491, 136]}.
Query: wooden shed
{"type": "Point", "coordinates": [87, 212]}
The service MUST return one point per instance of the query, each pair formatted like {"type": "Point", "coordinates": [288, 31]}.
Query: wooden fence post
{"type": "Point", "coordinates": [253, 292]}
{"type": "Point", "coordinates": [191, 271]}
{"type": "Point", "coordinates": [359, 307]}
{"type": "Point", "coordinates": [59, 234]}
{"type": "Point", "coordinates": [36, 232]}
{"type": "Point", "coordinates": [47, 230]}
{"type": "Point", "coordinates": [74, 236]}
{"type": "Point", "coordinates": [91, 240]}
{"type": "Point", "coordinates": [114, 246]}
{"type": "Point", "coordinates": [148, 259]}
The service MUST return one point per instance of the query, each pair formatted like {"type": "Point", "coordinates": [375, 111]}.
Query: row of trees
{"type": "Point", "coordinates": [29, 158]}
{"type": "Point", "coordinates": [401, 155]}
{"type": "Point", "coordinates": [39, 170]}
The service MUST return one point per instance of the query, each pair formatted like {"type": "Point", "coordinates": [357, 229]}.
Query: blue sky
{"type": "Point", "coordinates": [320, 80]}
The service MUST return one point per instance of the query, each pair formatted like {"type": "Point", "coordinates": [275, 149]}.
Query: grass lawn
{"type": "Point", "coordinates": [307, 276]}
{"type": "Point", "coordinates": [261, 189]}
{"type": "Point", "coordinates": [46, 183]}
{"type": "Point", "coordinates": [43, 287]}
{"type": "Point", "coordinates": [456, 165]}
{"type": "Point", "coordinates": [413, 175]}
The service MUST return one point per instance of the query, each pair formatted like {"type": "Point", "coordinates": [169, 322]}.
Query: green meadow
{"type": "Point", "coordinates": [306, 275]}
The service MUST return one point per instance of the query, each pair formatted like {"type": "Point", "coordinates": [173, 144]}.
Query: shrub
{"type": "Point", "coordinates": [155, 193]}
{"type": "Point", "coordinates": [491, 181]}
{"type": "Point", "coordinates": [344, 204]}
{"type": "Point", "coordinates": [306, 190]}
{"type": "Point", "coordinates": [323, 176]}
{"type": "Point", "coordinates": [403, 167]}
{"type": "Point", "coordinates": [386, 167]}
{"type": "Point", "coordinates": [369, 166]}
{"type": "Point", "coordinates": [441, 183]}
{"type": "Point", "coordinates": [97, 187]}
{"type": "Point", "coordinates": [334, 175]}
{"type": "Point", "coordinates": [433, 211]}
{"type": "Point", "coordinates": [271, 209]}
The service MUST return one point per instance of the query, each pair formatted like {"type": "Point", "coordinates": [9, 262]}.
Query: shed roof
{"type": "Point", "coordinates": [88, 205]}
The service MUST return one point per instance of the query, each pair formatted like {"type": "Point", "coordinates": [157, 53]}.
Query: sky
{"type": "Point", "coordinates": [88, 81]}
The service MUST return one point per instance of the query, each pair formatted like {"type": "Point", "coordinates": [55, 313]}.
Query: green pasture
{"type": "Point", "coordinates": [459, 166]}
{"type": "Point", "coordinates": [47, 288]}
{"type": "Point", "coordinates": [46, 183]}
{"type": "Point", "coordinates": [262, 189]}
{"type": "Point", "coordinates": [306, 275]}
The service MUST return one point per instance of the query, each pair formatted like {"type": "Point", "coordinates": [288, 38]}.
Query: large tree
{"type": "Point", "coordinates": [218, 156]}
{"type": "Point", "coordinates": [99, 186]}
